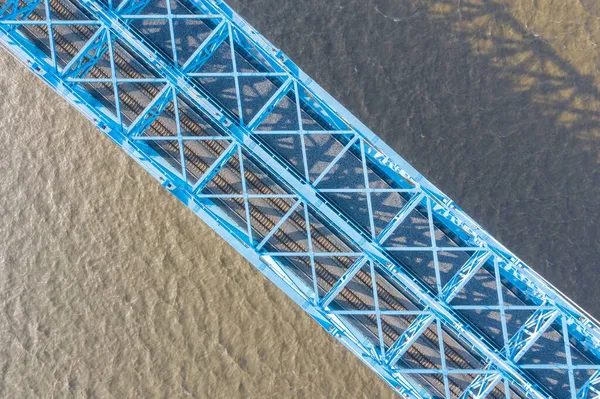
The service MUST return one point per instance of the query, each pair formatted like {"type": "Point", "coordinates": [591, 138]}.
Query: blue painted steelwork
{"type": "Point", "coordinates": [383, 260]}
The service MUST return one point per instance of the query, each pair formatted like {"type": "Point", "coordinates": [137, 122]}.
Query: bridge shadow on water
{"type": "Point", "coordinates": [484, 106]}
{"type": "Point", "coordinates": [478, 102]}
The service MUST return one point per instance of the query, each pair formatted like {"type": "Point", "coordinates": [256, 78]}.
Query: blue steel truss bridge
{"type": "Point", "coordinates": [369, 248]}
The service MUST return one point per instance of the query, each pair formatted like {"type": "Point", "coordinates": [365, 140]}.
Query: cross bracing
{"type": "Point", "coordinates": [369, 248]}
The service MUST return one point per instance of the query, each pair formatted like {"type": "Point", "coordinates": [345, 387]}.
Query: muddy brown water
{"type": "Point", "coordinates": [111, 288]}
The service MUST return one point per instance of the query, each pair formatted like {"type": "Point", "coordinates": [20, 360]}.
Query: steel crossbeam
{"type": "Point", "coordinates": [374, 255]}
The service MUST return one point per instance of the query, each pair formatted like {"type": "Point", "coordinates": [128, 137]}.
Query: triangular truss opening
{"type": "Point", "coordinates": [357, 293]}
{"type": "Point", "coordinates": [321, 151]}
{"type": "Point", "coordinates": [200, 155]}
{"type": "Point", "coordinates": [488, 322]}
{"type": "Point", "coordinates": [255, 92]}
{"type": "Point", "coordinates": [249, 58]}
{"type": "Point", "coordinates": [235, 210]}
{"type": "Point", "coordinates": [180, 8]}
{"type": "Point", "coordinates": [223, 90]}
{"type": "Point", "coordinates": [267, 213]}
{"type": "Point", "coordinates": [189, 34]}
{"type": "Point", "coordinates": [169, 154]}
{"type": "Point", "coordinates": [104, 93]}
{"type": "Point", "coordinates": [193, 122]}
{"type": "Point", "coordinates": [69, 40]}
{"type": "Point", "coordinates": [129, 65]}
{"type": "Point", "coordinates": [331, 268]}
{"type": "Point", "coordinates": [299, 269]}
{"type": "Point", "coordinates": [283, 116]}
{"type": "Point", "coordinates": [391, 297]}
{"type": "Point", "coordinates": [386, 206]}
{"type": "Point", "coordinates": [228, 180]}
{"type": "Point", "coordinates": [554, 380]}
{"type": "Point", "coordinates": [450, 262]}
{"type": "Point", "coordinates": [412, 232]}
{"type": "Point", "coordinates": [421, 264]}
{"type": "Point", "coordinates": [317, 117]}
{"type": "Point", "coordinates": [354, 205]}
{"type": "Point", "coordinates": [288, 147]}
{"type": "Point", "coordinates": [135, 100]}
{"type": "Point", "coordinates": [258, 181]}
{"type": "Point", "coordinates": [326, 240]}
{"type": "Point", "coordinates": [38, 36]}
{"type": "Point", "coordinates": [157, 32]}
{"type": "Point", "coordinates": [424, 353]}
{"type": "Point", "coordinates": [345, 173]}
{"type": "Point", "coordinates": [480, 290]}
{"type": "Point", "coordinates": [289, 233]}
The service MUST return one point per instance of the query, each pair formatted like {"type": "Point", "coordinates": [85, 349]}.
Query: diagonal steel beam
{"type": "Point", "coordinates": [11, 11]}
{"type": "Point", "coordinates": [530, 331]}
{"type": "Point", "coordinates": [400, 217]}
{"type": "Point", "coordinates": [270, 105]}
{"type": "Point", "coordinates": [89, 55]}
{"type": "Point", "coordinates": [518, 345]}
{"type": "Point", "coordinates": [306, 191]}
{"type": "Point", "coordinates": [591, 386]}
{"type": "Point", "coordinates": [408, 338]}
{"type": "Point", "coordinates": [207, 48]}
{"type": "Point", "coordinates": [464, 275]}
{"type": "Point", "coordinates": [152, 112]}
{"type": "Point", "coordinates": [343, 281]}
{"type": "Point", "coordinates": [214, 169]}
{"type": "Point", "coordinates": [421, 323]}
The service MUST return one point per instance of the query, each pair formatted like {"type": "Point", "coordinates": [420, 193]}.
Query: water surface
{"type": "Point", "coordinates": [111, 288]}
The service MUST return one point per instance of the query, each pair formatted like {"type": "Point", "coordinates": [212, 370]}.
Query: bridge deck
{"type": "Point", "coordinates": [369, 248]}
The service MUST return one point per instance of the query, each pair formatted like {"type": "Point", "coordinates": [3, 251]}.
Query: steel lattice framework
{"type": "Point", "coordinates": [370, 249]}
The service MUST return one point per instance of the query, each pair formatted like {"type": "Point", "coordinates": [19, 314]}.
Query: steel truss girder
{"type": "Point", "coordinates": [147, 158]}
{"type": "Point", "coordinates": [204, 208]}
{"type": "Point", "coordinates": [513, 270]}
{"type": "Point", "coordinates": [309, 194]}
{"type": "Point", "coordinates": [538, 290]}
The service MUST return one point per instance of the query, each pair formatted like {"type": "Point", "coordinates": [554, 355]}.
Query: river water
{"type": "Point", "coordinates": [111, 288]}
